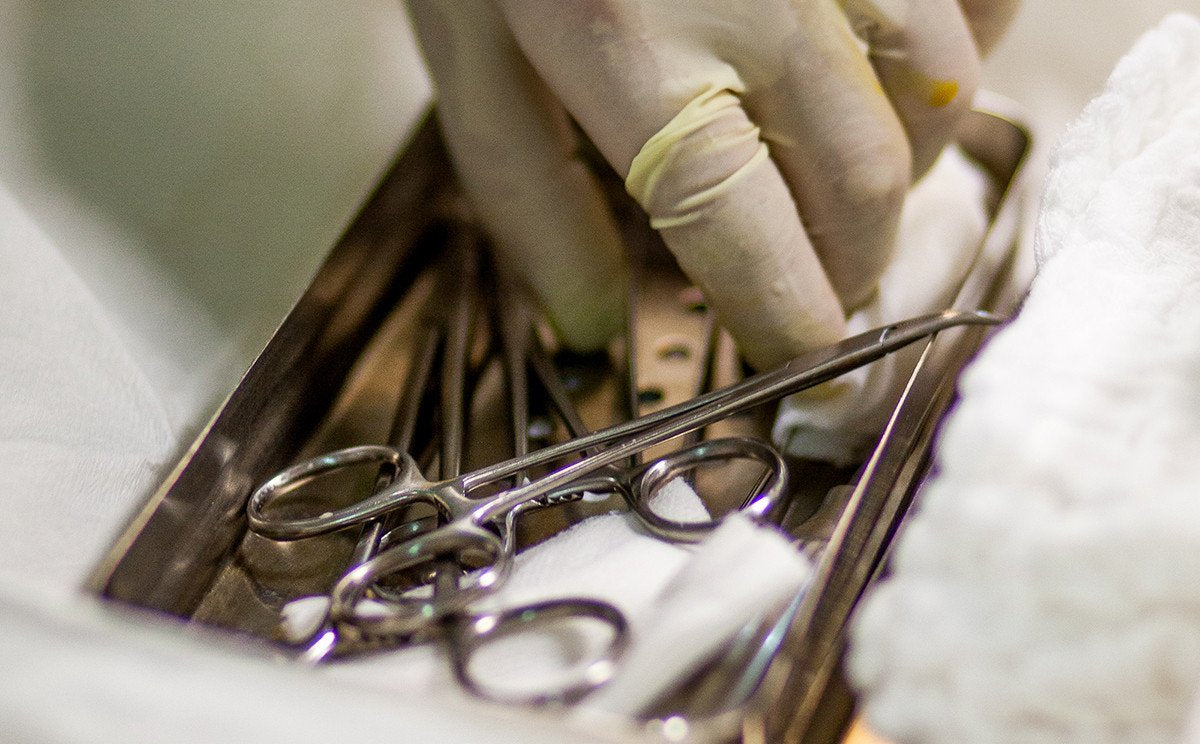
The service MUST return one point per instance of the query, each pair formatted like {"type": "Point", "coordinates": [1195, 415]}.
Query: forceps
{"type": "Point", "coordinates": [477, 532]}
{"type": "Point", "coordinates": [444, 333]}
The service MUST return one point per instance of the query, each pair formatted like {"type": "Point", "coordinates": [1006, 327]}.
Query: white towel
{"type": "Point", "coordinates": [1046, 590]}
{"type": "Point", "coordinates": [941, 231]}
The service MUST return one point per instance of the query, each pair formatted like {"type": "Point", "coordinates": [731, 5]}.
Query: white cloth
{"type": "Point", "coordinates": [193, 172]}
{"type": "Point", "coordinates": [1045, 589]}
{"type": "Point", "coordinates": [79, 672]}
{"type": "Point", "coordinates": [683, 603]}
{"type": "Point", "coordinates": [82, 433]}
{"type": "Point", "coordinates": [941, 232]}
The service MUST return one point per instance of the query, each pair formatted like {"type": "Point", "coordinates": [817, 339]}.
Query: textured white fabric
{"type": "Point", "coordinates": [941, 231]}
{"type": "Point", "coordinates": [741, 573]}
{"type": "Point", "coordinates": [1046, 590]}
{"type": "Point", "coordinates": [683, 603]}
{"type": "Point", "coordinates": [79, 672]}
{"type": "Point", "coordinates": [82, 434]}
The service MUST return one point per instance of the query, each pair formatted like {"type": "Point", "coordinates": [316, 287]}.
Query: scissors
{"type": "Point", "coordinates": [445, 330]}
{"type": "Point", "coordinates": [477, 532]}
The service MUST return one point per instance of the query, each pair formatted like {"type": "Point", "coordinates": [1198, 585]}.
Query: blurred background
{"type": "Point", "coordinates": [194, 161]}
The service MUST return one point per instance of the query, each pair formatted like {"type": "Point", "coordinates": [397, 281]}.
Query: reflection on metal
{"type": "Point", "coordinates": [858, 542]}
{"type": "Point", "coordinates": [327, 379]}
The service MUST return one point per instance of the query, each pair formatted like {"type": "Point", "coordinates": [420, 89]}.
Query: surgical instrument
{"type": "Point", "coordinates": [188, 553]}
{"type": "Point", "coordinates": [446, 331]}
{"type": "Point", "coordinates": [467, 532]}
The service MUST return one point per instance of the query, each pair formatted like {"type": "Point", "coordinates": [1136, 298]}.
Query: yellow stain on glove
{"type": "Point", "coordinates": [943, 92]}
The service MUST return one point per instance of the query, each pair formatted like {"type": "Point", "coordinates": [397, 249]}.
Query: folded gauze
{"type": "Point", "coordinates": [1046, 588]}
{"type": "Point", "coordinates": [683, 603]}
{"type": "Point", "coordinates": [941, 232]}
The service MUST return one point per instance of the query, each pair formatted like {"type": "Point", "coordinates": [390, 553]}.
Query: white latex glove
{"type": "Point", "coordinates": [942, 227]}
{"type": "Point", "coordinates": [770, 142]}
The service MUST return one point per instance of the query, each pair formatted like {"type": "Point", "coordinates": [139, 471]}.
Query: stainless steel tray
{"type": "Point", "coordinates": [325, 380]}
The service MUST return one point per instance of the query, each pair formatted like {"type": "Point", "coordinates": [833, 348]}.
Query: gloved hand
{"type": "Point", "coordinates": [771, 143]}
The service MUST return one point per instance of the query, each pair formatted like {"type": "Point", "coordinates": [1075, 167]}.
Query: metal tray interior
{"type": "Point", "coordinates": [325, 378]}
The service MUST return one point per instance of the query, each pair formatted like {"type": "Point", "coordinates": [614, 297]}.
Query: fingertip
{"type": "Point", "coordinates": [927, 61]}
{"type": "Point", "coordinates": [569, 253]}
{"type": "Point", "coordinates": [768, 353]}
{"type": "Point", "coordinates": [592, 321]}
{"type": "Point", "coordinates": [515, 153]}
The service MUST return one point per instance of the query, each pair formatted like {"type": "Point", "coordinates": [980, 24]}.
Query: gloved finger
{"type": "Point", "coordinates": [663, 108]}
{"type": "Point", "coordinates": [724, 210]}
{"type": "Point", "coordinates": [988, 20]}
{"type": "Point", "coordinates": [926, 60]}
{"type": "Point", "coordinates": [515, 151]}
{"type": "Point", "coordinates": [838, 143]}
